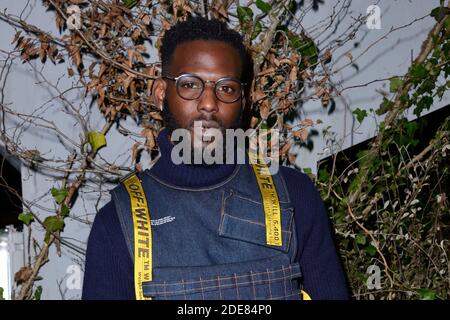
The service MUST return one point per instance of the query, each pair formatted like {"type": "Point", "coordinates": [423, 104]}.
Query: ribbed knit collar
{"type": "Point", "coordinates": [187, 175]}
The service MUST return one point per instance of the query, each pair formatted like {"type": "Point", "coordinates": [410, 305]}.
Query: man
{"type": "Point", "coordinates": [207, 238]}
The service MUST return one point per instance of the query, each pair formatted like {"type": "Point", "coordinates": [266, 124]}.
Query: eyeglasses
{"type": "Point", "coordinates": [191, 87]}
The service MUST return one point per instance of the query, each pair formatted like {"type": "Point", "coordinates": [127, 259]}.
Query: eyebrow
{"type": "Point", "coordinates": [195, 74]}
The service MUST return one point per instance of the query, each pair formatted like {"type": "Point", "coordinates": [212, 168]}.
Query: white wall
{"type": "Point", "coordinates": [390, 57]}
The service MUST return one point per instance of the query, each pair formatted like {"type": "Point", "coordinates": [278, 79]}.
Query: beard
{"type": "Point", "coordinates": [171, 124]}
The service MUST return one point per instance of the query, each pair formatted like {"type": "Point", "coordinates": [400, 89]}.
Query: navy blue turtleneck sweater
{"type": "Point", "coordinates": [109, 268]}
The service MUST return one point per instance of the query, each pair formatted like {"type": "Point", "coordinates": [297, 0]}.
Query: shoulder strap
{"type": "Point", "coordinates": [142, 233]}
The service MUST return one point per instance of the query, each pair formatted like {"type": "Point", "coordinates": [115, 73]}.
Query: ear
{"type": "Point", "coordinates": [159, 92]}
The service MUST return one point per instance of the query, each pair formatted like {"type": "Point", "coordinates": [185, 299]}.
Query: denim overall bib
{"type": "Point", "coordinates": [210, 243]}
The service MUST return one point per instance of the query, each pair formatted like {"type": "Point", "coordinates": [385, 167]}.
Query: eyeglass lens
{"type": "Point", "coordinates": [190, 88]}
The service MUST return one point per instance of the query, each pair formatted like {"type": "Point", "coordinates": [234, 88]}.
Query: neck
{"type": "Point", "coordinates": [187, 175]}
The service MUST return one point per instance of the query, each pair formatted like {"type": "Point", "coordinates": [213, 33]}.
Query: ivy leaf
{"type": "Point", "coordinates": [418, 71]}
{"type": "Point", "coordinates": [371, 250]}
{"type": "Point", "coordinates": [129, 3]}
{"type": "Point", "coordinates": [65, 211]}
{"type": "Point", "coordinates": [385, 106]}
{"type": "Point", "coordinates": [245, 14]}
{"type": "Point", "coordinates": [305, 46]}
{"type": "Point", "coordinates": [97, 140]}
{"type": "Point", "coordinates": [360, 114]}
{"type": "Point", "coordinates": [324, 176]}
{"type": "Point", "coordinates": [59, 194]}
{"type": "Point", "coordinates": [426, 294]}
{"type": "Point", "coordinates": [424, 103]}
{"type": "Point", "coordinates": [307, 170]}
{"type": "Point", "coordinates": [395, 84]}
{"type": "Point", "coordinates": [439, 12]}
{"type": "Point", "coordinates": [257, 30]}
{"type": "Point", "coordinates": [38, 293]}
{"type": "Point", "coordinates": [53, 224]}
{"type": "Point", "coordinates": [26, 217]}
{"type": "Point", "coordinates": [263, 6]}
{"type": "Point", "coordinates": [361, 239]}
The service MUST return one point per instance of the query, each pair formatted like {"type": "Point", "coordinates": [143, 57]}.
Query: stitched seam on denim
{"type": "Point", "coordinates": [222, 212]}
{"type": "Point", "coordinates": [295, 255]}
{"type": "Point", "coordinates": [124, 229]}
{"type": "Point", "coordinates": [238, 194]}
{"type": "Point", "coordinates": [252, 222]}
{"type": "Point", "coordinates": [284, 297]}
{"type": "Point", "coordinates": [283, 182]}
{"type": "Point", "coordinates": [215, 186]}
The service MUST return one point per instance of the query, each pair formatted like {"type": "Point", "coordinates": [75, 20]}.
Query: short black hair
{"type": "Point", "coordinates": [199, 28]}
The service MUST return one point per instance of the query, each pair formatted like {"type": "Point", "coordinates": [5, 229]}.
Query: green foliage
{"type": "Point", "coordinates": [65, 211]}
{"type": "Point", "coordinates": [361, 239]}
{"type": "Point", "coordinates": [59, 195]}
{"type": "Point", "coordinates": [26, 217]}
{"type": "Point", "coordinates": [418, 72]}
{"type": "Point", "coordinates": [1, 293]}
{"type": "Point", "coordinates": [439, 12]}
{"type": "Point", "coordinates": [385, 106]}
{"type": "Point", "coordinates": [37, 293]}
{"type": "Point", "coordinates": [307, 49]}
{"type": "Point", "coordinates": [360, 114]}
{"type": "Point", "coordinates": [395, 83]}
{"type": "Point", "coordinates": [263, 6]}
{"type": "Point", "coordinates": [402, 206]}
{"type": "Point", "coordinates": [305, 46]}
{"type": "Point", "coordinates": [130, 4]}
{"type": "Point", "coordinates": [53, 223]}
{"type": "Point", "coordinates": [401, 216]}
{"type": "Point", "coordinates": [245, 14]}
{"type": "Point", "coordinates": [426, 294]}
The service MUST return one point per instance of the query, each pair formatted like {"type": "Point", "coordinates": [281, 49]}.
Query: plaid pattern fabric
{"type": "Point", "coordinates": [270, 284]}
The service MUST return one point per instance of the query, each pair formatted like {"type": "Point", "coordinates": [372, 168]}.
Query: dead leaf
{"type": "Point", "coordinates": [292, 158]}
{"type": "Point", "coordinates": [349, 55]}
{"type": "Point", "coordinates": [23, 275]}
{"type": "Point", "coordinates": [327, 56]}
{"type": "Point", "coordinates": [258, 95]}
{"type": "Point", "coordinates": [302, 134]}
{"type": "Point", "coordinates": [135, 151]}
{"type": "Point", "coordinates": [307, 122]}
{"type": "Point", "coordinates": [285, 149]}
{"type": "Point", "coordinates": [146, 19]}
{"type": "Point", "coordinates": [267, 71]}
{"type": "Point", "coordinates": [293, 74]}
{"type": "Point", "coordinates": [264, 109]}
{"type": "Point", "coordinates": [253, 122]}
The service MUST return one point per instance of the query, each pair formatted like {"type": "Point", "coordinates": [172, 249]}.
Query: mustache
{"type": "Point", "coordinates": [211, 121]}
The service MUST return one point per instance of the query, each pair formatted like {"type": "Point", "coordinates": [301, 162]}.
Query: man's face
{"type": "Point", "coordinates": [209, 60]}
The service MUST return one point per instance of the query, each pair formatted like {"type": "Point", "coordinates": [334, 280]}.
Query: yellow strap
{"type": "Point", "coordinates": [271, 203]}
{"type": "Point", "coordinates": [305, 296]}
{"type": "Point", "coordinates": [142, 235]}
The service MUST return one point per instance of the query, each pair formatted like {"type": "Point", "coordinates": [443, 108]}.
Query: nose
{"type": "Point", "coordinates": [208, 100]}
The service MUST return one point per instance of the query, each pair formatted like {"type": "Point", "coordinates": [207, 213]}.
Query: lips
{"type": "Point", "coordinates": [210, 124]}
{"type": "Point", "coordinates": [206, 124]}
